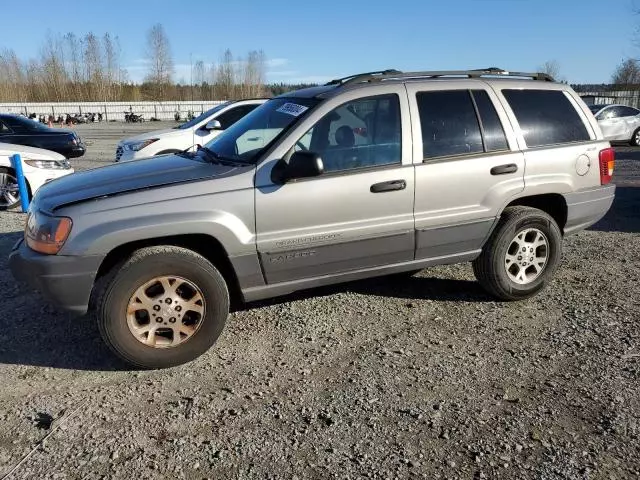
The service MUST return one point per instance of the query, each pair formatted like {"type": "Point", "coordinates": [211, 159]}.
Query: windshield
{"type": "Point", "coordinates": [202, 116]}
{"type": "Point", "coordinates": [246, 139]}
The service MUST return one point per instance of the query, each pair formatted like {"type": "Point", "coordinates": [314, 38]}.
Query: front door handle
{"type": "Point", "coordinates": [388, 186]}
{"type": "Point", "coordinates": [504, 169]}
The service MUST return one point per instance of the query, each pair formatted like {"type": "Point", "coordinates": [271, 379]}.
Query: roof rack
{"type": "Point", "coordinates": [396, 74]}
{"type": "Point", "coordinates": [363, 76]}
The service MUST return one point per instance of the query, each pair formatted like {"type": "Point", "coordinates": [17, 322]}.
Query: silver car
{"type": "Point", "coordinates": [374, 174]}
{"type": "Point", "coordinates": [619, 123]}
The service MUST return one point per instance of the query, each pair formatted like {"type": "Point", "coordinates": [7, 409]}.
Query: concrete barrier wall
{"type": "Point", "coordinates": [111, 111]}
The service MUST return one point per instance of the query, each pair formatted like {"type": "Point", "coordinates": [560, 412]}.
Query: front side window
{"type": "Point", "coordinates": [546, 117]}
{"type": "Point", "coordinates": [358, 134]}
{"type": "Point", "coordinates": [449, 124]}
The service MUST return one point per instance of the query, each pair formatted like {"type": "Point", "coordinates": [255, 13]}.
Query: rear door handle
{"type": "Point", "coordinates": [504, 169]}
{"type": "Point", "coordinates": [388, 186]}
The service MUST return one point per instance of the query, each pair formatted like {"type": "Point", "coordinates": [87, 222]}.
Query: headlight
{"type": "Point", "coordinates": [49, 164]}
{"type": "Point", "coordinates": [46, 234]}
{"type": "Point", "coordinates": [137, 146]}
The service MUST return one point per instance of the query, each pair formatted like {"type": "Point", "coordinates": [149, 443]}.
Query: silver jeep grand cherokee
{"type": "Point", "coordinates": [373, 174]}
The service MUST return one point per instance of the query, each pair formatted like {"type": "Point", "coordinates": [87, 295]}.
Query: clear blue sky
{"type": "Point", "coordinates": [317, 40]}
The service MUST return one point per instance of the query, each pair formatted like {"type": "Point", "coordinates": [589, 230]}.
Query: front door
{"type": "Point", "coordinates": [359, 213]}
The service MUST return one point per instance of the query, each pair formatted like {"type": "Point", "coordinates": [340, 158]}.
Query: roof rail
{"type": "Point", "coordinates": [395, 74]}
{"type": "Point", "coordinates": [363, 76]}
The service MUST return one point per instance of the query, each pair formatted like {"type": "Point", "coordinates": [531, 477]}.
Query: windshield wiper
{"type": "Point", "coordinates": [213, 157]}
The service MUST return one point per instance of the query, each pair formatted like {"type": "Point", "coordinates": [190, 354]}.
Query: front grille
{"type": "Point", "coordinates": [119, 152]}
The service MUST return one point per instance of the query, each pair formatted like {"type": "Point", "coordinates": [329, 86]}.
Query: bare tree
{"type": "Point", "coordinates": [551, 68]}
{"type": "Point", "coordinates": [12, 77]}
{"type": "Point", "coordinates": [226, 76]}
{"type": "Point", "coordinates": [627, 73]}
{"type": "Point", "coordinates": [199, 78]}
{"type": "Point", "coordinates": [74, 65]}
{"type": "Point", "coordinates": [160, 60]}
{"type": "Point", "coordinates": [94, 67]}
{"type": "Point", "coordinates": [253, 75]}
{"type": "Point", "coordinates": [112, 66]}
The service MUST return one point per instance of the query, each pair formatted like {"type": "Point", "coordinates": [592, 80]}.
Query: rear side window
{"type": "Point", "coordinates": [494, 137]}
{"type": "Point", "coordinates": [231, 116]}
{"type": "Point", "coordinates": [546, 117]}
{"type": "Point", "coordinates": [449, 124]}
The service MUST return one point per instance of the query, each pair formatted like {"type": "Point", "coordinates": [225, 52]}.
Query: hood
{"type": "Point", "coordinates": [29, 152]}
{"type": "Point", "coordinates": [168, 132]}
{"type": "Point", "coordinates": [127, 177]}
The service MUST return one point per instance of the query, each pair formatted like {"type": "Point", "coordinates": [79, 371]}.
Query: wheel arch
{"type": "Point", "coordinates": [206, 245]}
{"type": "Point", "coordinates": [553, 204]}
{"type": "Point", "coordinates": [9, 169]}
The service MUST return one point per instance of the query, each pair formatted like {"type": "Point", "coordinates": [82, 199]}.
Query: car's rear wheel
{"type": "Point", "coordinates": [635, 138]}
{"type": "Point", "coordinates": [164, 306]}
{"type": "Point", "coordinates": [9, 193]}
{"type": "Point", "coordinates": [521, 255]}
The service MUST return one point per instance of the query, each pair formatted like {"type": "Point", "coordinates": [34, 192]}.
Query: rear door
{"type": "Point", "coordinates": [467, 164]}
{"type": "Point", "coordinates": [560, 146]}
{"type": "Point", "coordinates": [631, 118]}
{"type": "Point", "coordinates": [612, 124]}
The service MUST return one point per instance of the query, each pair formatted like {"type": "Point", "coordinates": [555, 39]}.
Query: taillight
{"type": "Point", "coordinates": [607, 163]}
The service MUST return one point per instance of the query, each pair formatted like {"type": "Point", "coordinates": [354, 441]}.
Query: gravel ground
{"type": "Point", "coordinates": [388, 378]}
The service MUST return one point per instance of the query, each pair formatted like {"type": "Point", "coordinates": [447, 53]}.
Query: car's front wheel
{"type": "Point", "coordinates": [9, 193]}
{"type": "Point", "coordinates": [521, 255]}
{"type": "Point", "coordinates": [164, 306]}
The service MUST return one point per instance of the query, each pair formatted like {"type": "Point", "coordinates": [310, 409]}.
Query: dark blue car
{"type": "Point", "coordinates": [24, 131]}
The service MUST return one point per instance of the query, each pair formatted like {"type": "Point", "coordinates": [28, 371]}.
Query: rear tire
{"type": "Point", "coordinates": [635, 138]}
{"type": "Point", "coordinates": [162, 307]}
{"type": "Point", "coordinates": [521, 254]}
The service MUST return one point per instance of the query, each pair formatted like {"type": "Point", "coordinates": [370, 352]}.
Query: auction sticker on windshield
{"type": "Point", "coordinates": [292, 109]}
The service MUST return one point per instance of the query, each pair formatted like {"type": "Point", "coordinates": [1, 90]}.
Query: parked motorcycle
{"type": "Point", "coordinates": [130, 117]}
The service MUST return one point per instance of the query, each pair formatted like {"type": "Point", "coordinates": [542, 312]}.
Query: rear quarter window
{"type": "Point", "coordinates": [546, 117]}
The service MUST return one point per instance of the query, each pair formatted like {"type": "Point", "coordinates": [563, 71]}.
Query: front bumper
{"type": "Point", "coordinates": [75, 151]}
{"type": "Point", "coordinates": [66, 280]}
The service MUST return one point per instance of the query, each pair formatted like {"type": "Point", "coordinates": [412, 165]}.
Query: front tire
{"type": "Point", "coordinates": [163, 307]}
{"type": "Point", "coordinates": [9, 193]}
{"type": "Point", "coordinates": [521, 254]}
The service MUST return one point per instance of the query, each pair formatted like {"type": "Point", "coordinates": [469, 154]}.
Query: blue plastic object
{"type": "Point", "coordinates": [22, 183]}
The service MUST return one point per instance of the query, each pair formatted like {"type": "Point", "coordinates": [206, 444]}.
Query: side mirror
{"type": "Point", "coordinates": [213, 125]}
{"type": "Point", "coordinates": [303, 164]}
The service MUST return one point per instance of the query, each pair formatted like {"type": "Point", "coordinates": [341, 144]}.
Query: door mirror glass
{"type": "Point", "coordinates": [213, 125]}
{"type": "Point", "coordinates": [302, 164]}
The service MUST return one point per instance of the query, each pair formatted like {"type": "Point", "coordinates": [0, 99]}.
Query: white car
{"type": "Point", "coordinates": [39, 167]}
{"type": "Point", "coordinates": [619, 123]}
{"type": "Point", "coordinates": [198, 131]}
